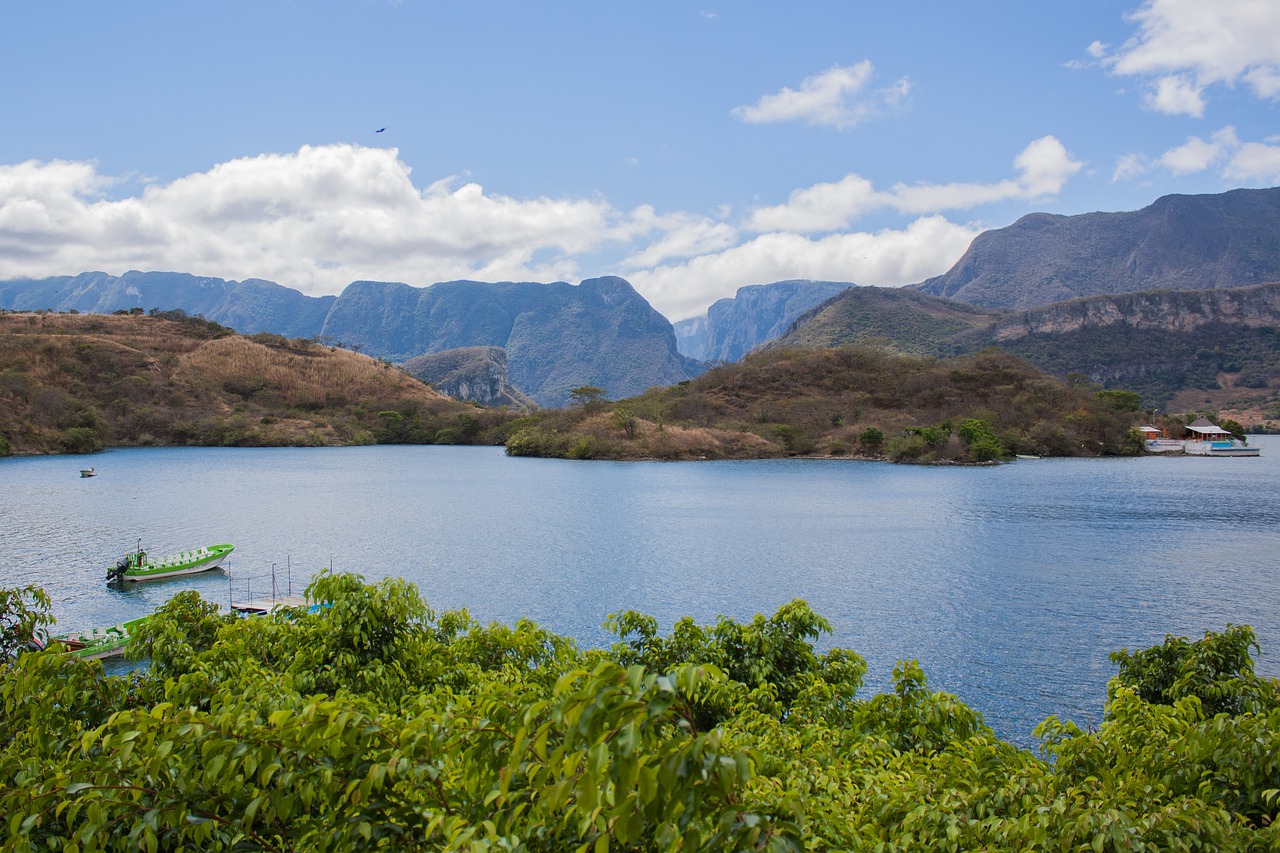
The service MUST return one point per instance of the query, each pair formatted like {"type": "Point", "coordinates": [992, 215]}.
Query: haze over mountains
{"type": "Point", "coordinates": [1161, 300]}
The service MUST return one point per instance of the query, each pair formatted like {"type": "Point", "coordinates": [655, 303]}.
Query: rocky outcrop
{"type": "Point", "coordinates": [1168, 311]}
{"type": "Point", "coordinates": [478, 374]}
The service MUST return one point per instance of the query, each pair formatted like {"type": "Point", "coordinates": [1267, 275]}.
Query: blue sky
{"type": "Point", "coordinates": [690, 147]}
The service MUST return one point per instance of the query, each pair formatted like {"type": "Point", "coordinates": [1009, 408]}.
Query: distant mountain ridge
{"type": "Point", "coordinates": [248, 306]}
{"type": "Point", "coordinates": [1218, 348]}
{"type": "Point", "coordinates": [557, 336]}
{"type": "Point", "coordinates": [755, 315]}
{"type": "Point", "coordinates": [1179, 242]}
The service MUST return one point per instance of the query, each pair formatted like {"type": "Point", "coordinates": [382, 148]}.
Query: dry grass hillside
{"type": "Point", "coordinates": [847, 401]}
{"type": "Point", "coordinates": [80, 382]}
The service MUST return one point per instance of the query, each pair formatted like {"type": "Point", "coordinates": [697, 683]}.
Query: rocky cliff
{"type": "Point", "coordinates": [557, 336]}
{"type": "Point", "coordinates": [1179, 242]}
{"type": "Point", "coordinates": [755, 315]}
{"type": "Point", "coordinates": [478, 374]}
{"type": "Point", "coordinates": [1169, 311]}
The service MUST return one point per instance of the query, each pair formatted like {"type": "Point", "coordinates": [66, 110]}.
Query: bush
{"type": "Point", "coordinates": [81, 440]}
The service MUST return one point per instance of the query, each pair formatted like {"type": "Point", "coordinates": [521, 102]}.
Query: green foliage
{"type": "Point", "coordinates": [1217, 670]}
{"type": "Point", "coordinates": [981, 439]}
{"type": "Point", "coordinates": [1234, 427]}
{"type": "Point", "coordinates": [24, 617]}
{"type": "Point", "coordinates": [590, 397]}
{"type": "Point", "coordinates": [871, 438]}
{"type": "Point", "coordinates": [81, 440]}
{"type": "Point", "coordinates": [369, 722]}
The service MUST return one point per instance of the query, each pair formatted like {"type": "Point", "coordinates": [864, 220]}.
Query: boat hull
{"type": "Point", "coordinates": [188, 563]}
{"type": "Point", "coordinates": [101, 643]}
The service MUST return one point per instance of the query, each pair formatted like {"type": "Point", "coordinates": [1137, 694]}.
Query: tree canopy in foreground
{"type": "Point", "coordinates": [371, 722]}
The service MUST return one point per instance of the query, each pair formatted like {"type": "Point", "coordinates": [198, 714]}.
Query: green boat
{"type": "Point", "coordinates": [100, 643]}
{"type": "Point", "coordinates": [137, 566]}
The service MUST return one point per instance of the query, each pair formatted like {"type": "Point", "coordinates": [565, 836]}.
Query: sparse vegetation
{"type": "Point", "coordinates": [78, 383]}
{"type": "Point", "coordinates": [868, 400]}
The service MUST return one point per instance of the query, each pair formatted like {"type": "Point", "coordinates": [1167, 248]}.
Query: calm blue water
{"type": "Point", "coordinates": [1010, 584]}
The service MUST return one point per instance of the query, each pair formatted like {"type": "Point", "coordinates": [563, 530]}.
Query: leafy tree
{"type": "Point", "coordinates": [589, 397]}
{"type": "Point", "coordinates": [1217, 670]}
{"type": "Point", "coordinates": [369, 722]}
{"type": "Point", "coordinates": [24, 620]}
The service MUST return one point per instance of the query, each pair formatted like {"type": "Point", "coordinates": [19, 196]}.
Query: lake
{"type": "Point", "coordinates": [1010, 584]}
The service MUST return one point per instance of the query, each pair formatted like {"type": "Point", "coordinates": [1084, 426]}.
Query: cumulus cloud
{"type": "Point", "coordinates": [321, 217]}
{"type": "Point", "coordinates": [1236, 161]}
{"type": "Point", "coordinates": [1130, 166]}
{"type": "Point", "coordinates": [834, 98]}
{"type": "Point", "coordinates": [1196, 154]}
{"type": "Point", "coordinates": [1183, 47]}
{"type": "Point", "coordinates": [926, 247]}
{"type": "Point", "coordinates": [315, 219]}
{"type": "Point", "coordinates": [1043, 167]}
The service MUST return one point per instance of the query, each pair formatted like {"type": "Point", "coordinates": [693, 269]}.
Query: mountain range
{"type": "Point", "coordinates": [1179, 242]}
{"type": "Point", "coordinates": [1157, 299]}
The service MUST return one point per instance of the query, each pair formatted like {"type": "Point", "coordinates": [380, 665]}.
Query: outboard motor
{"type": "Point", "coordinates": [117, 574]}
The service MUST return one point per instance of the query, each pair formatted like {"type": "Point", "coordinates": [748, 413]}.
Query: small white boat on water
{"type": "Point", "coordinates": [88, 472]}
{"type": "Point", "coordinates": [137, 566]}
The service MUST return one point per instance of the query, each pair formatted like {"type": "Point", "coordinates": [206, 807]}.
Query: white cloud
{"type": "Point", "coordinates": [321, 217]}
{"type": "Point", "coordinates": [1183, 47]}
{"type": "Point", "coordinates": [928, 246]}
{"type": "Point", "coordinates": [1043, 167]}
{"type": "Point", "coordinates": [830, 98]}
{"type": "Point", "coordinates": [315, 220]}
{"type": "Point", "coordinates": [1235, 161]}
{"type": "Point", "coordinates": [1255, 162]}
{"type": "Point", "coordinates": [1129, 166]}
{"type": "Point", "coordinates": [1197, 155]}
{"type": "Point", "coordinates": [1176, 95]}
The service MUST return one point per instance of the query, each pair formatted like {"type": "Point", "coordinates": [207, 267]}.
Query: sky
{"type": "Point", "coordinates": [691, 148]}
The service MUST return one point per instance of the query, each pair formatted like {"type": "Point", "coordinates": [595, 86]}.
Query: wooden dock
{"type": "Point", "coordinates": [269, 605]}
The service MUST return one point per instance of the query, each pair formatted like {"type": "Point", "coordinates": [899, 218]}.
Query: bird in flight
{"type": "Point", "coordinates": [379, 130]}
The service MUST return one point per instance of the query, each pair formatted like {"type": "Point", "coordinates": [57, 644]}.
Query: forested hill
{"type": "Point", "coordinates": [1179, 242]}
{"type": "Point", "coordinates": [80, 382]}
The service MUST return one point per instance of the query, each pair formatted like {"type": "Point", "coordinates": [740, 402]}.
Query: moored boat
{"type": "Point", "coordinates": [138, 566]}
{"type": "Point", "coordinates": [100, 643]}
